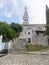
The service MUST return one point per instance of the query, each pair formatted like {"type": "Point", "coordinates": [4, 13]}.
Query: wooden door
{"type": "Point", "coordinates": [29, 40]}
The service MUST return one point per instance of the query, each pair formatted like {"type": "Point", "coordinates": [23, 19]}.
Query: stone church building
{"type": "Point", "coordinates": [33, 33]}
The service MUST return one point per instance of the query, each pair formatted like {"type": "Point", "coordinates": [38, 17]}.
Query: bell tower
{"type": "Point", "coordinates": [25, 16]}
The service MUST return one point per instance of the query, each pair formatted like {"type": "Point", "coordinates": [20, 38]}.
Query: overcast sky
{"type": "Point", "coordinates": [13, 10]}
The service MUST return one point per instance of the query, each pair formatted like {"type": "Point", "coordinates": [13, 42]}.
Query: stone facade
{"type": "Point", "coordinates": [33, 33]}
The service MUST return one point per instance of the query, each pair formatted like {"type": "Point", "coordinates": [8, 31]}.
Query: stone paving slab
{"type": "Point", "coordinates": [45, 52]}
{"type": "Point", "coordinates": [24, 59]}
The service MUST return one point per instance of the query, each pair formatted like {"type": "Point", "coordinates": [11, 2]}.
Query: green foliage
{"type": "Point", "coordinates": [36, 47]}
{"type": "Point", "coordinates": [47, 30]}
{"type": "Point", "coordinates": [47, 21]}
{"type": "Point", "coordinates": [8, 32]}
{"type": "Point", "coordinates": [17, 34]}
{"type": "Point", "coordinates": [47, 15]}
{"type": "Point", "coordinates": [11, 34]}
{"type": "Point", "coordinates": [17, 27]}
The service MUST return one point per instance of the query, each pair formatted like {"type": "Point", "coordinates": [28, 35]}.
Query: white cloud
{"type": "Point", "coordinates": [36, 9]}
{"type": "Point", "coordinates": [14, 10]}
{"type": "Point", "coordinates": [1, 5]}
{"type": "Point", "coordinates": [8, 15]}
{"type": "Point", "coordinates": [7, 12]}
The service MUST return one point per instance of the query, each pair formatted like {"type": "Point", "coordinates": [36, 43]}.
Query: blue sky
{"type": "Point", "coordinates": [13, 10]}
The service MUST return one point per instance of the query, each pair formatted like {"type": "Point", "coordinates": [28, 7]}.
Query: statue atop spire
{"type": "Point", "coordinates": [25, 16]}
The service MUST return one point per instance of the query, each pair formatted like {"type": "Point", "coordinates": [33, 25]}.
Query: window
{"type": "Point", "coordinates": [40, 28]}
{"type": "Point", "coordinates": [37, 33]}
{"type": "Point", "coordinates": [28, 33]}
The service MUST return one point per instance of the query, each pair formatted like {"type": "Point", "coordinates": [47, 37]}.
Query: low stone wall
{"type": "Point", "coordinates": [13, 42]}
{"type": "Point", "coordinates": [4, 45]}
{"type": "Point", "coordinates": [7, 45]}
{"type": "Point", "coordinates": [40, 40]}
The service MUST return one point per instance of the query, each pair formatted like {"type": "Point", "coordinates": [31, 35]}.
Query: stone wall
{"type": "Point", "coordinates": [13, 42]}
{"type": "Point", "coordinates": [40, 40]}
{"type": "Point", "coordinates": [4, 45]}
{"type": "Point", "coordinates": [7, 45]}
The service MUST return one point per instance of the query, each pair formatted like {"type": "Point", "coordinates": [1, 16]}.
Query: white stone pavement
{"type": "Point", "coordinates": [24, 59]}
{"type": "Point", "coordinates": [45, 52]}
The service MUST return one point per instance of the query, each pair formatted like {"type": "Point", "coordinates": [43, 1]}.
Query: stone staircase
{"type": "Point", "coordinates": [19, 47]}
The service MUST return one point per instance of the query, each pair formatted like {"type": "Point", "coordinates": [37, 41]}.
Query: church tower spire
{"type": "Point", "coordinates": [25, 16]}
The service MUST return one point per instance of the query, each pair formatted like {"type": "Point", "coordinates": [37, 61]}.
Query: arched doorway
{"type": "Point", "coordinates": [29, 40]}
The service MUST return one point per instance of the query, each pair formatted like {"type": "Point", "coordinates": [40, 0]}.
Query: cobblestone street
{"type": "Point", "coordinates": [24, 59]}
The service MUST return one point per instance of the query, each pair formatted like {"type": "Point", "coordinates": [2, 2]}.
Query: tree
{"type": "Point", "coordinates": [47, 15]}
{"type": "Point", "coordinates": [47, 22]}
{"type": "Point", "coordinates": [17, 27]}
{"type": "Point", "coordinates": [7, 32]}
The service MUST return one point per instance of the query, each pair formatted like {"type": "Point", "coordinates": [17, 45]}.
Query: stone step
{"type": "Point", "coordinates": [19, 47]}
{"type": "Point", "coordinates": [14, 51]}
